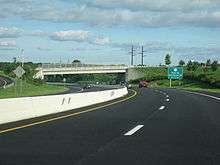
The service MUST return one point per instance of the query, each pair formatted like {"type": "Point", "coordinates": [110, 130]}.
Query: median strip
{"type": "Point", "coordinates": [135, 129]}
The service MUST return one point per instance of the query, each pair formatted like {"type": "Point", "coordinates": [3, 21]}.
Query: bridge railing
{"type": "Point", "coordinates": [65, 67]}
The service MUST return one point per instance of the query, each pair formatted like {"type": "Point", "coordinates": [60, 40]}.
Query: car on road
{"type": "Point", "coordinates": [124, 83]}
{"type": "Point", "coordinates": [143, 83]}
{"type": "Point", "coordinates": [87, 86]}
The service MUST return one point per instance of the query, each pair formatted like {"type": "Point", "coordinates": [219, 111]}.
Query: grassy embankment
{"type": "Point", "coordinates": [29, 89]}
{"type": "Point", "coordinates": [196, 81]}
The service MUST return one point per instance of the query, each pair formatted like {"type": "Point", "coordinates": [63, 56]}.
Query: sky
{"type": "Point", "coordinates": [102, 31]}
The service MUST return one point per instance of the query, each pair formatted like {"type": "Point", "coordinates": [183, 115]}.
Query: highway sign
{"type": "Point", "coordinates": [19, 71]}
{"type": "Point", "coordinates": [175, 73]}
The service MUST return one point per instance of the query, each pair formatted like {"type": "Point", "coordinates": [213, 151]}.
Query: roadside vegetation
{"type": "Point", "coordinates": [109, 79]}
{"type": "Point", "coordinates": [26, 86]}
{"type": "Point", "coordinates": [197, 76]}
{"type": "Point", "coordinates": [26, 89]}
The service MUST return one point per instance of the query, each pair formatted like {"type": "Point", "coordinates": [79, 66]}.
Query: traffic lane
{"type": "Point", "coordinates": [186, 131]}
{"type": "Point", "coordinates": [4, 81]}
{"type": "Point", "coordinates": [206, 94]}
{"type": "Point", "coordinates": [70, 140]}
{"type": "Point", "coordinates": [80, 89]}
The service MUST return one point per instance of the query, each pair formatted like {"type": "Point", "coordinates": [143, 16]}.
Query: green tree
{"type": "Point", "coordinates": [205, 69]}
{"type": "Point", "coordinates": [208, 62]}
{"type": "Point", "coordinates": [167, 59]}
{"type": "Point", "coordinates": [14, 60]}
{"type": "Point", "coordinates": [214, 66]}
{"type": "Point", "coordinates": [76, 61]}
{"type": "Point", "coordinates": [181, 63]}
{"type": "Point", "coordinates": [192, 66]}
{"type": "Point", "coordinates": [189, 65]}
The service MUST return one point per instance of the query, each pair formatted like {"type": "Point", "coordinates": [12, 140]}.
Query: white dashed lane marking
{"type": "Point", "coordinates": [162, 107]}
{"type": "Point", "coordinates": [135, 129]}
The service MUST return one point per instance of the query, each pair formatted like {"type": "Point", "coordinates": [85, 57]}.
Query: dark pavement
{"type": "Point", "coordinates": [5, 81]}
{"type": "Point", "coordinates": [80, 89]}
{"type": "Point", "coordinates": [186, 131]}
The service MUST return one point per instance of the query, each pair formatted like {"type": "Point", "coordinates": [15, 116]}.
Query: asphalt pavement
{"type": "Point", "coordinates": [158, 126]}
{"type": "Point", "coordinates": [5, 81]}
{"type": "Point", "coordinates": [76, 88]}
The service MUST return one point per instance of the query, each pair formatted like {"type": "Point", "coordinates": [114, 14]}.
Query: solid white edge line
{"type": "Point", "coordinates": [132, 131]}
{"type": "Point", "coordinates": [202, 94]}
{"type": "Point", "coordinates": [162, 107]}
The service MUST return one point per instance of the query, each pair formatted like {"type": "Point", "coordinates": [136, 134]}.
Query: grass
{"type": "Point", "coordinates": [3, 74]}
{"type": "Point", "coordinates": [30, 90]}
{"type": "Point", "coordinates": [157, 76]}
{"type": "Point", "coordinates": [185, 84]}
{"type": "Point", "coordinates": [153, 72]}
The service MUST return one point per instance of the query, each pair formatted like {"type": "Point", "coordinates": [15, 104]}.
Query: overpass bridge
{"type": "Point", "coordinates": [63, 69]}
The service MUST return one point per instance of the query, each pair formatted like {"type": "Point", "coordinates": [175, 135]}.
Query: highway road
{"type": "Point", "coordinates": [4, 81]}
{"type": "Point", "coordinates": [157, 126]}
{"type": "Point", "coordinates": [76, 88]}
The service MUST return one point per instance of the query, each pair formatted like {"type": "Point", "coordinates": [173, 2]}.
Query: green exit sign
{"type": "Point", "coordinates": [175, 72]}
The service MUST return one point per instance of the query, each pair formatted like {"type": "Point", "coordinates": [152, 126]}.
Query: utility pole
{"type": "Point", "coordinates": [142, 55]}
{"type": "Point", "coordinates": [22, 57]}
{"type": "Point", "coordinates": [132, 55]}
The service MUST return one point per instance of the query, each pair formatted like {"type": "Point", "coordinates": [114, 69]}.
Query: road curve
{"type": "Point", "coordinates": [159, 126]}
{"type": "Point", "coordinates": [4, 81]}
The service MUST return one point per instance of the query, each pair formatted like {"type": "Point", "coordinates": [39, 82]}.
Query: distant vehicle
{"type": "Point", "coordinates": [129, 86]}
{"type": "Point", "coordinates": [87, 86]}
{"type": "Point", "coordinates": [143, 83]}
{"type": "Point", "coordinates": [124, 83]}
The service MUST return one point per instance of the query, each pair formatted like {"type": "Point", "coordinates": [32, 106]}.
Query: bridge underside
{"type": "Point", "coordinates": [106, 78]}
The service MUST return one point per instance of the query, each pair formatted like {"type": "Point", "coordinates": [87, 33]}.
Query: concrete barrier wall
{"type": "Point", "coordinates": [16, 109]}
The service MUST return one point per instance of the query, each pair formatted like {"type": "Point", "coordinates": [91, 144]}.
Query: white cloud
{"type": "Point", "coordinates": [8, 43]}
{"type": "Point", "coordinates": [12, 32]}
{"type": "Point", "coordinates": [79, 36]}
{"type": "Point", "coordinates": [102, 40]}
{"type": "Point", "coordinates": [157, 6]}
{"type": "Point", "coordinates": [146, 13]}
{"type": "Point", "coordinates": [70, 35]}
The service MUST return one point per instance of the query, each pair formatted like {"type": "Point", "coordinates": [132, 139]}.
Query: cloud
{"type": "Point", "coordinates": [12, 32]}
{"type": "Point", "coordinates": [101, 40]}
{"type": "Point", "coordinates": [155, 6]}
{"type": "Point", "coordinates": [70, 35]}
{"type": "Point", "coordinates": [79, 36]}
{"type": "Point", "coordinates": [7, 43]}
{"type": "Point", "coordinates": [142, 13]}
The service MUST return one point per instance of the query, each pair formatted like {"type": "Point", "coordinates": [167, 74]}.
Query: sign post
{"type": "Point", "coordinates": [64, 81]}
{"type": "Point", "coordinates": [175, 73]}
{"type": "Point", "coordinates": [19, 72]}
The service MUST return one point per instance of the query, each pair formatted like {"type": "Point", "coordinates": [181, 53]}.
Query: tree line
{"type": "Point", "coordinates": [194, 65]}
